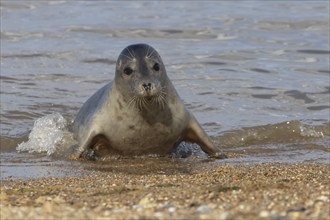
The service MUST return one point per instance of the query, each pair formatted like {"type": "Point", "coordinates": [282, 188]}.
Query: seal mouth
{"type": "Point", "coordinates": [148, 100]}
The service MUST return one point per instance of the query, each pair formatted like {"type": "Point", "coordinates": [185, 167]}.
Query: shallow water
{"type": "Point", "coordinates": [255, 74]}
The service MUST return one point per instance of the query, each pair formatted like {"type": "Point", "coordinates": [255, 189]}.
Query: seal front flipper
{"type": "Point", "coordinates": [95, 146]}
{"type": "Point", "coordinates": [195, 133]}
{"type": "Point", "coordinates": [83, 148]}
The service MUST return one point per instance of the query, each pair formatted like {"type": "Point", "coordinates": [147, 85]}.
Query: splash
{"type": "Point", "coordinates": [48, 135]}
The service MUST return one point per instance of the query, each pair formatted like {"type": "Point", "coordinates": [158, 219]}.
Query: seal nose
{"type": "Point", "coordinates": [147, 86]}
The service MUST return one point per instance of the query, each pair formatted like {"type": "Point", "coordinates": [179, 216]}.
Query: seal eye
{"type": "Point", "coordinates": [128, 71]}
{"type": "Point", "coordinates": [156, 67]}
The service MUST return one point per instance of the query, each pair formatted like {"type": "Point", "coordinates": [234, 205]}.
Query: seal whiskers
{"type": "Point", "coordinates": [151, 53]}
{"type": "Point", "coordinates": [141, 102]}
{"type": "Point", "coordinates": [129, 58]}
{"type": "Point", "coordinates": [161, 100]}
{"type": "Point", "coordinates": [131, 53]}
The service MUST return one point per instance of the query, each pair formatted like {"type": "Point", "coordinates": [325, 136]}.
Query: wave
{"type": "Point", "coordinates": [282, 133]}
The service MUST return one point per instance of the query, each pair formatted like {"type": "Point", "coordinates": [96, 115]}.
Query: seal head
{"type": "Point", "coordinates": [141, 76]}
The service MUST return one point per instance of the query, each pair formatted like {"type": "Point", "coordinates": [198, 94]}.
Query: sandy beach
{"type": "Point", "coordinates": [228, 191]}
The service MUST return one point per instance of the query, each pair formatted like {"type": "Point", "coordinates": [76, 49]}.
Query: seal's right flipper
{"type": "Point", "coordinates": [83, 147]}
{"type": "Point", "coordinates": [93, 147]}
{"type": "Point", "coordinates": [195, 133]}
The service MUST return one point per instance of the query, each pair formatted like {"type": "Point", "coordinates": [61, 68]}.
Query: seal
{"type": "Point", "coordinates": [138, 113]}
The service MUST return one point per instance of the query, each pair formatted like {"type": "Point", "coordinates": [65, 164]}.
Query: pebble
{"type": "Point", "coordinates": [323, 198]}
{"type": "Point", "coordinates": [146, 201]}
{"type": "Point", "coordinates": [264, 214]}
{"type": "Point", "coordinates": [170, 208]}
{"type": "Point", "coordinates": [203, 209]}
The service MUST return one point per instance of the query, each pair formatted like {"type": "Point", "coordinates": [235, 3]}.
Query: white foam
{"type": "Point", "coordinates": [310, 132]}
{"type": "Point", "coordinates": [48, 134]}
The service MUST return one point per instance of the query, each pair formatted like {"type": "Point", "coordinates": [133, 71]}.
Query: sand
{"type": "Point", "coordinates": [228, 191]}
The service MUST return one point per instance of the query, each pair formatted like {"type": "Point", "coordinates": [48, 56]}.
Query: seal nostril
{"type": "Point", "coordinates": [147, 86]}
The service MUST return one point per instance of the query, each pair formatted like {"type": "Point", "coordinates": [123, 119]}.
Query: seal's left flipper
{"type": "Point", "coordinates": [195, 133]}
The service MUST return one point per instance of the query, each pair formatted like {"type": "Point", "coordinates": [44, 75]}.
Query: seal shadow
{"type": "Point", "coordinates": [147, 165]}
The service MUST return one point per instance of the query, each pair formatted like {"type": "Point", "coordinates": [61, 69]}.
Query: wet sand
{"type": "Point", "coordinates": [227, 191]}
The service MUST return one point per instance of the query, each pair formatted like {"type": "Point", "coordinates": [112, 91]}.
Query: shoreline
{"type": "Point", "coordinates": [228, 191]}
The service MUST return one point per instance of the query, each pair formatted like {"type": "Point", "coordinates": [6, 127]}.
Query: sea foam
{"type": "Point", "coordinates": [48, 134]}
